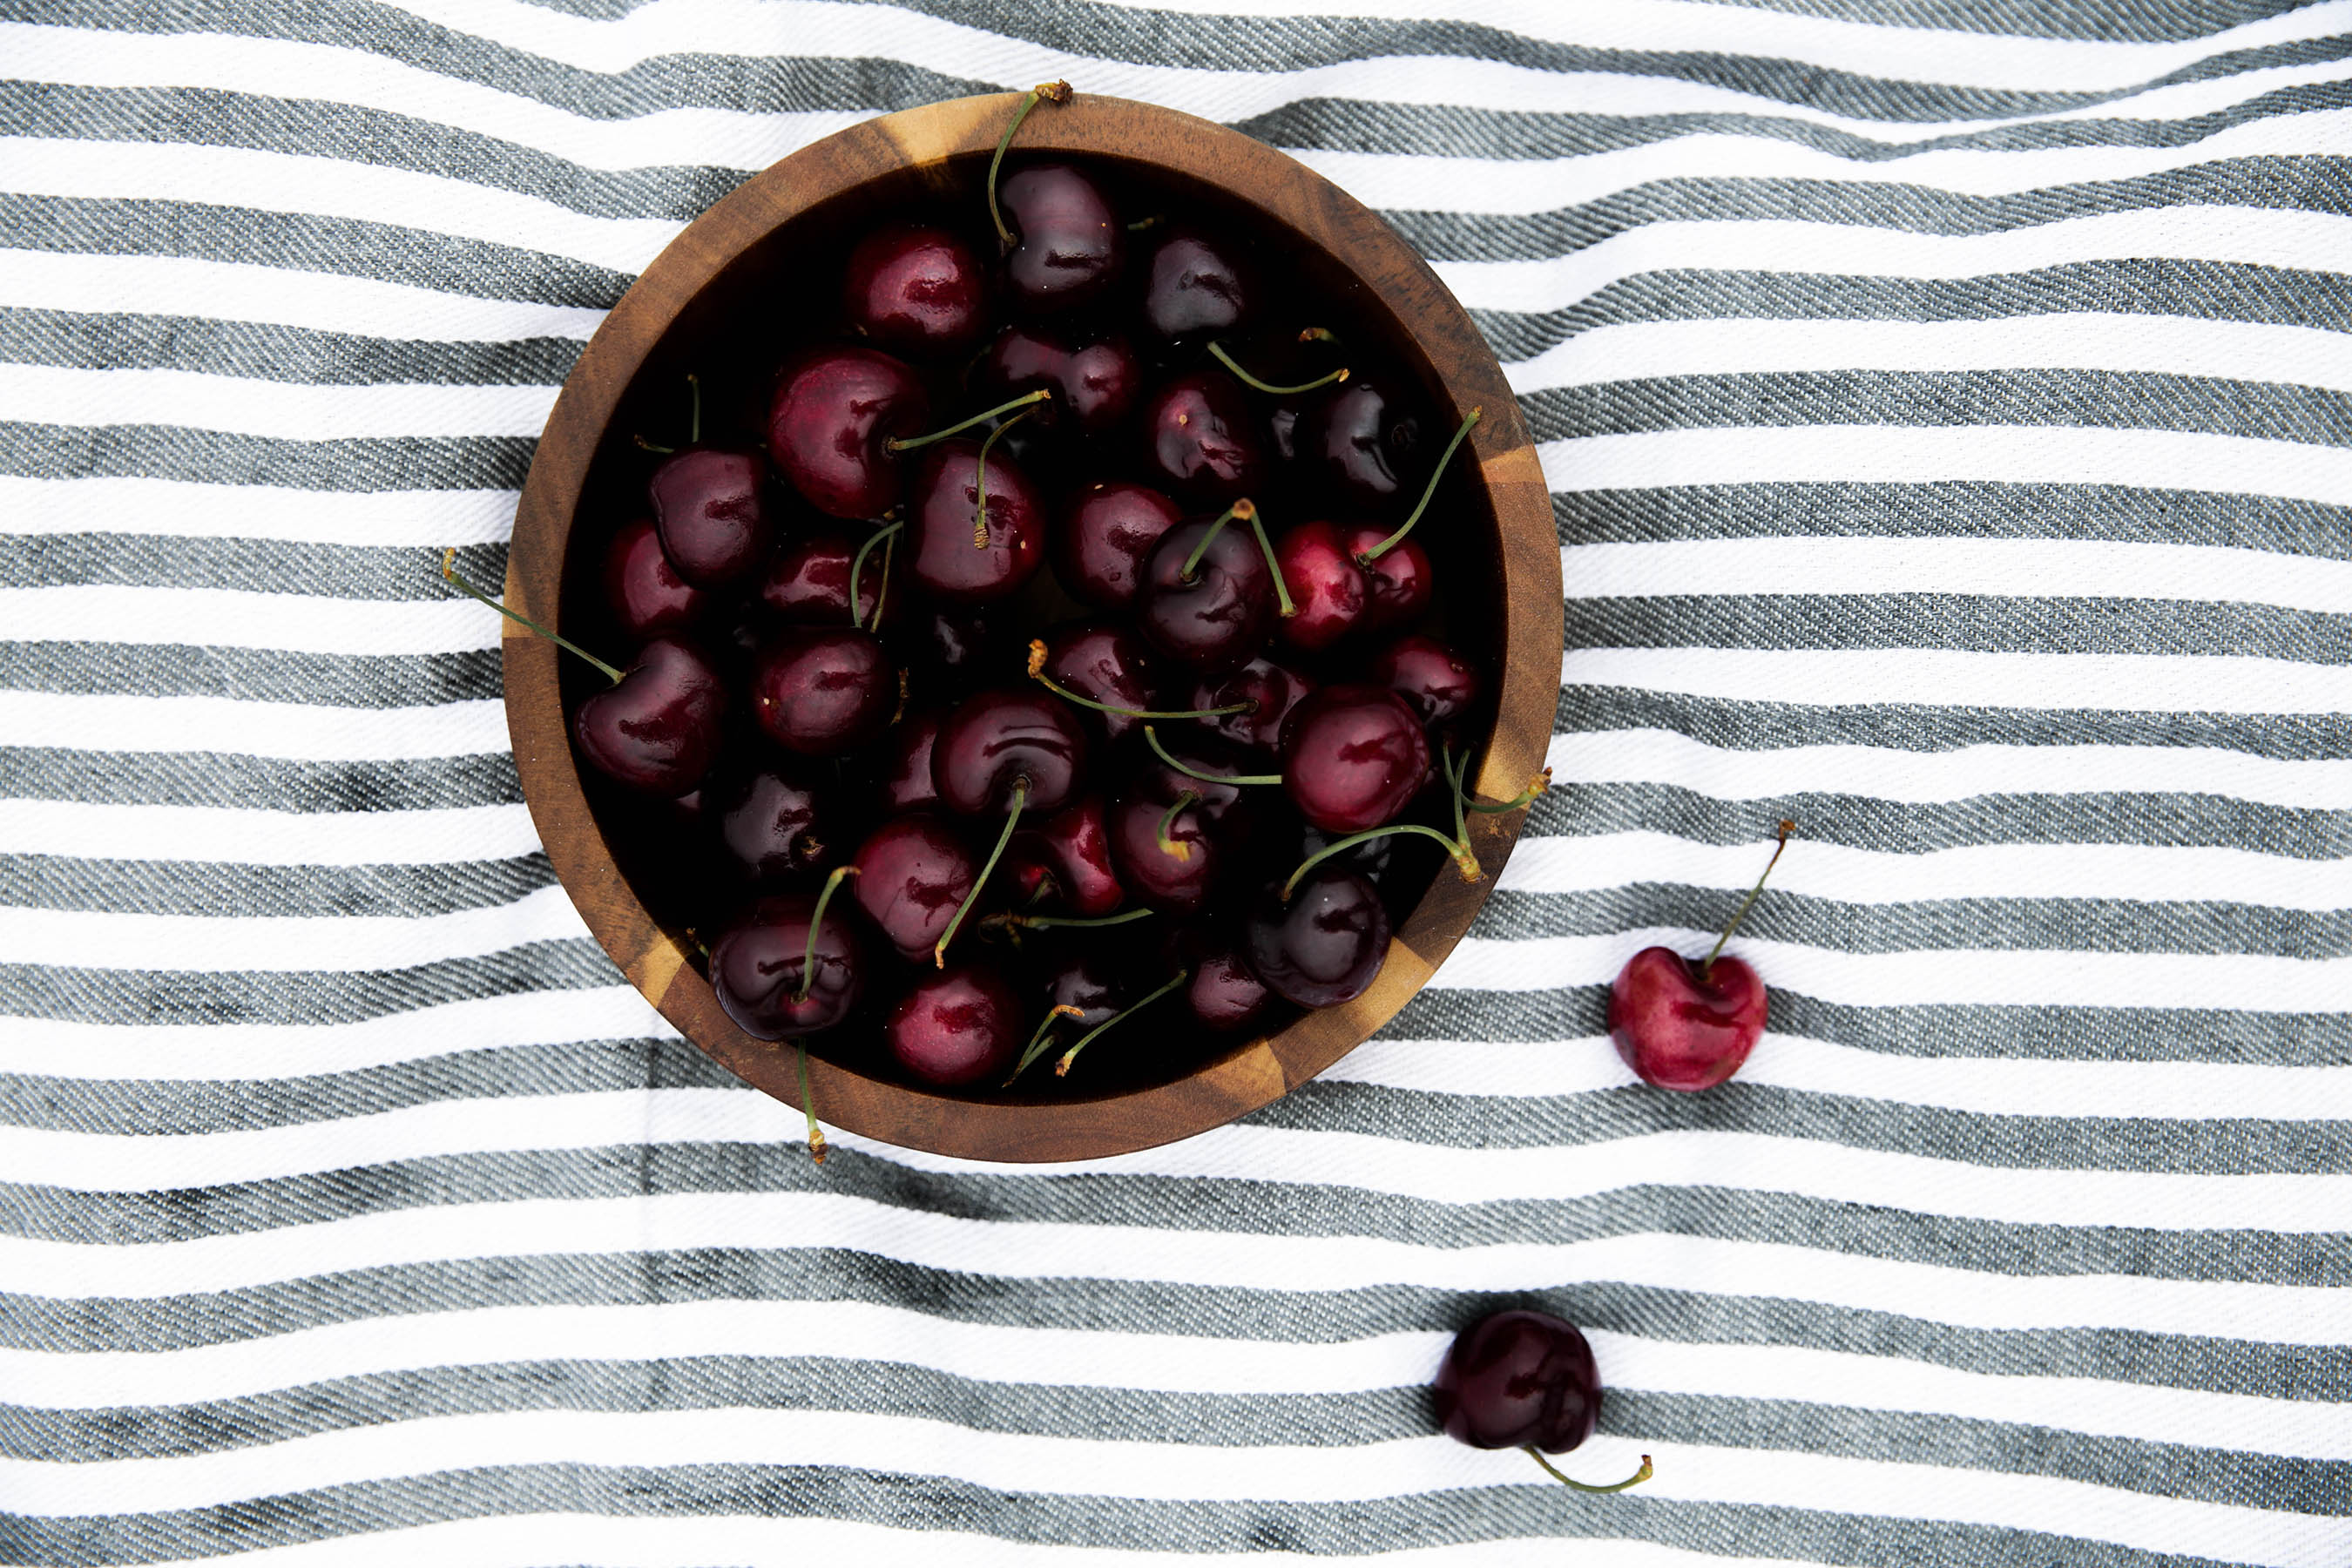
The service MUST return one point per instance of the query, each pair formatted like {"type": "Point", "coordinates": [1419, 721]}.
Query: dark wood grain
{"type": "Point", "coordinates": [851, 177]}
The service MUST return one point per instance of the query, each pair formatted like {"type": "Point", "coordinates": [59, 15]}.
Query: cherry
{"type": "Point", "coordinates": [905, 771]}
{"type": "Point", "coordinates": [1207, 596]}
{"type": "Point", "coordinates": [1321, 946]}
{"type": "Point", "coordinates": [765, 980]}
{"type": "Point", "coordinates": [1199, 766]}
{"type": "Point", "coordinates": [915, 290]}
{"type": "Point", "coordinates": [1074, 848]}
{"type": "Point", "coordinates": [1193, 290]}
{"type": "Point", "coordinates": [960, 1027]}
{"type": "Point", "coordinates": [1356, 442]}
{"type": "Point", "coordinates": [1089, 985]}
{"type": "Point", "coordinates": [658, 728]}
{"type": "Point", "coordinates": [1522, 1379]}
{"type": "Point", "coordinates": [1199, 438]}
{"type": "Point", "coordinates": [1270, 689]}
{"type": "Point", "coordinates": [768, 824]}
{"type": "Point", "coordinates": [710, 507]}
{"type": "Point", "coordinates": [1353, 756]}
{"type": "Point", "coordinates": [835, 414]}
{"type": "Point", "coordinates": [1106, 662]}
{"type": "Point", "coordinates": [807, 582]}
{"type": "Point", "coordinates": [913, 874]}
{"type": "Point", "coordinates": [821, 692]}
{"type": "Point", "coordinates": [1094, 387]}
{"type": "Point", "coordinates": [1225, 993]}
{"type": "Point", "coordinates": [1067, 245]}
{"type": "Point", "coordinates": [1438, 684]}
{"type": "Point", "coordinates": [1001, 740]}
{"type": "Point", "coordinates": [1164, 852]}
{"type": "Point", "coordinates": [1324, 578]}
{"type": "Point", "coordinates": [1398, 585]}
{"type": "Point", "coordinates": [954, 558]}
{"type": "Point", "coordinates": [1687, 1030]}
{"type": "Point", "coordinates": [648, 597]}
{"type": "Point", "coordinates": [1106, 535]}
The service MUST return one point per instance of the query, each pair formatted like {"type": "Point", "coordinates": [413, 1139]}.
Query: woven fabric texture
{"type": "Point", "coordinates": [1949, 412]}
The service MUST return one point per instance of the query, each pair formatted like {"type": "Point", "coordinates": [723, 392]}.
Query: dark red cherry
{"type": "Point", "coordinates": [1104, 661]}
{"type": "Point", "coordinates": [1322, 947]}
{"type": "Point", "coordinates": [915, 290]}
{"type": "Point", "coordinates": [1398, 586]}
{"type": "Point", "coordinates": [1070, 246]}
{"type": "Point", "coordinates": [834, 411]}
{"type": "Point", "coordinates": [1073, 847]}
{"type": "Point", "coordinates": [756, 968]}
{"type": "Point", "coordinates": [1276, 689]}
{"type": "Point", "coordinates": [1089, 982]}
{"type": "Point", "coordinates": [1228, 809]}
{"type": "Point", "coordinates": [1438, 684]}
{"type": "Point", "coordinates": [1094, 387]}
{"type": "Point", "coordinates": [1199, 439]}
{"type": "Point", "coordinates": [1352, 757]}
{"type": "Point", "coordinates": [807, 582]}
{"type": "Point", "coordinates": [821, 692]}
{"type": "Point", "coordinates": [1225, 993]}
{"type": "Point", "coordinates": [647, 595]}
{"type": "Point", "coordinates": [1106, 535]}
{"type": "Point", "coordinates": [1358, 442]}
{"type": "Point", "coordinates": [657, 729]}
{"type": "Point", "coordinates": [947, 562]}
{"type": "Point", "coordinates": [1679, 1029]}
{"type": "Point", "coordinates": [1218, 614]}
{"type": "Point", "coordinates": [958, 1028]}
{"type": "Point", "coordinates": [710, 507]}
{"type": "Point", "coordinates": [1519, 1380]}
{"type": "Point", "coordinates": [1193, 290]}
{"type": "Point", "coordinates": [1173, 874]}
{"type": "Point", "coordinates": [996, 739]}
{"type": "Point", "coordinates": [1326, 584]}
{"type": "Point", "coordinates": [913, 874]}
{"type": "Point", "coordinates": [769, 826]}
{"type": "Point", "coordinates": [906, 770]}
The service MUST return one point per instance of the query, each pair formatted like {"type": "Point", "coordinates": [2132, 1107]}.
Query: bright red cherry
{"type": "Point", "coordinates": [647, 595]}
{"type": "Point", "coordinates": [757, 968]}
{"type": "Point", "coordinates": [1094, 387]}
{"type": "Point", "coordinates": [1437, 683]}
{"type": "Point", "coordinates": [1199, 439]}
{"type": "Point", "coordinates": [913, 874]}
{"type": "Point", "coordinates": [807, 582]}
{"type": "Point", "coordinates": [960, 1027]}
{"type": "Point", "coordinates": [830, 425]}
{"type": "Point", "coordinates": [1070, 246]}
{"type": "Point", "coordinates": [1522, 1379]}
{"type": "Point", "coordinates": [710, 506]}
{"type": "Point", "coordinates": [1353, 757]}
{"type": "Point", "coordinates": [1688, 1028]}
{"type": "Point", "coordinates": [770, 828]}
{"type": "Point", "coordinates": [916, 290]}
{"type": "Point", "coordinates": [1326, 584]}
{"type": "Point", "coordinates": [1322, 946]}
{"type": "Point", "coordinates": [1193, 290]}
{"type": "Point", "coordinates": [656, 729]}
{"type": "Point", "coordinates": [954, 559]}
{"type": "Point", "coordinates": [1105, 537]}
{"type": "Point", "coordinates": [821, 692]}
{"type": "Point", "coordinates": [1207, 597]}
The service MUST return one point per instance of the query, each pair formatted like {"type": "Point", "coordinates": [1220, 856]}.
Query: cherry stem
{"type": "Point", "coordinates": [1265, 548]}
{"type": "Point", "coordinates": [1787, 827]}
{"type": "Point", "coordinates": [1062, 1067]}
{"type": "Point", "coordinates": [1217, 351]}
{"type": "Point", "coordinates": [1038, 673]}
{"type": "Point", "coordinates": [1317, 335]}
{"type": "Point", "coordinates": [1142, 224]}
{"type": "Point", "coordinates": [694, 417]}
{"type": "Point", "coordinates": [1242, 508]}
{"type": "Point", "coordinates": [1455, 773]}
{"type": "Point", "coordinates": [808, 1109]}
{"type": "Point", "coordinates": [909, 443]}
{"type": "Point", "coordinates": [980, 482]}
{"type": "Point", "coordinates": [449, 571]}
{"type": "Point", "coordinates": [1536, 786]}
{"type": "Point", "coordinates": [857, 575]}
{"type": "Point", "coordinates": [816, 924]}
{"type": "Point", "coordinates": [1464, 861]}
{"type": "Point", "coordinates": [1635, 1479]}
{"type": "Point", "coordinates": [1152, 738]}
{"type": "Point", "coordinates": [643, 445]}
{"type": "Point", "coordinates": [1020, 799]}
{"type": "Point", "coordinates": [1042, 1038]}
{"type": "Point", "coordinates": [1385, 545]}
{"type": "Point", "coordinates": [1059, 92]}
{"type": "Point", "coordinates": [1045, 921]}
{"type": "Point", "coordinates": [1169, 846]}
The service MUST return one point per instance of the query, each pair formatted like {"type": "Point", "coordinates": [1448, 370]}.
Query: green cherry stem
{"type": "Point", "coordinates": [645, 446]}
{"type": "Point", "coordinates": [1464, 861]}
{"type": "Point", "coordinates": [1062, 1067]}
{"type": "Point", "coordinates": [1453, 775]}
{"type": "Point", "coordinates": [449, 571]}
{"type": "Point", "coordinates": [816, 924]}
{"type": "Point", "coordinates": [1317, 335]}
{"type": "Point", "coordinates": [1536, 786]}
{"type": "Point", "coordinates": [808, 1109]}
{"type": "Point", "coordinates": [1265, 548]}
{"type": "Point", "coordinates": [909, 443]}
{"type": "Point", "coordinates": [1168, 845]}
{"type": "Point", "coordinates": [1217, 351]}
{"type": "Point", "coordinates": [1635, 1479]}
{"type": "Point", "coordinates": [1151, 739]}
{"type": "Point", "coordinates": [1020, 799]}
{"type": "Point", "coordinates": [1787, 827]}
{"type": "Point", "coordinates": [980, 482]}
{"type": "Point", "coordinates": [1385, 545]}
{"type": "Point", "coordinates": [857, 575]}
{"type": "Point", "coordinates": [1042, 923]}
{"type": "Point", "coordinates": [1039, 1041]}
{"type": "Point", "coordinates": [1038, 673]}
{"type": "Point", "coordinates": [1054, 91]}
{"type": "Point", "coordinates": [1244, 509]}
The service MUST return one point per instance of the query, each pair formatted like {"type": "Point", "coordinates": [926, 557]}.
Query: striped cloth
{"type": "Point", "coordinates": [1949, 405]}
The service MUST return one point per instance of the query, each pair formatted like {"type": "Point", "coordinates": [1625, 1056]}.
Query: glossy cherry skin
{"type": "Point", "coordinates": [1106, 535]}
{"type": "Point", "coordinates": [962, 1026]}
{"type": "Point", "coordinates": [1323, 947]}
{"type": "Point", "coordinates": [1398, 586]}
{"type": "Point", "coordinates": [1225, 993]}
{"type": "Point", "coordinates": [1094, 387]}
{"type": "Point", "coordinates": [647, 595]}
{"type": "Point", "coordinates": [905, 771]}
{"type": "Point", "coordinates": [947, 501]}
{"type": "Point", "coordinates": [916, 290]}
{"type": "Point", "coordinates": [1352, 757]}
{"type": "Point", "coordinates": [771, 828]}
{"type": "Point", "coordinates": [1274, 687]}
{"type": "Point", "coordinates": [913, 874]}
{"type": "Point", "coordinates": [1175, 882]}
{"type": "Point", "coordinates": [1437, 683]}
{"type": "Point", "coordinates": [1070, 246]}
{"type": "Point", "coordinates": [1678, 1031]}
{"type": "Point", "coordinates": [1519, 1380]}
{"type": "Point", "coordinates": [1073, 847]}
{"type": "Point", "coordinates": [996, 739]}
{"type": "Point", "coordinates": [807, 581]}
{"type": "Point", "coordinates": [1199, 439]}
{"type": "Point", "coordinates": [1193, 290]}
{"type": "Point", "coordinates": [833, 413]}
{"type": "Point", "coordinates": [1326, 584]}
{"type": "Point", "coordinates": [1104, 661]}
{"type": "Point", "coordinates": [756, 968]}
{"type": "Point", "coordinates": [657, 729]}
{"type": "Point", "coordinates": [1216, 619]}
{"type": "Point", "coordinates": [1357, 442]}
{"type": "Point", "coordinates": [823, 692]}
{"type": "Point", "coordinates": [710, 507]}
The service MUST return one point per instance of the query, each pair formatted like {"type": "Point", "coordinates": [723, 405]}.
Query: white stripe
{"type": "Point", "coordinates": [2147, 345]}
{"type": "Point", "coordinates": [2192, 874]}
{"type": "Point", "coordinates": [293, 411]}
{"type": "Point", "coordinates": [244, 617]}
{"type": "Point", "coordinates": [1965, 773]}
{"type": "Point", "coordinates": [232, 727]}
{"type": "Point", "coordinates": [281, 296]}
{"type": "Point", "coordinates": [1944, 678]}
{"type": "Point", "coordinates": [445, 836]}
{"type": "Point", "coordinates": [170, 508]}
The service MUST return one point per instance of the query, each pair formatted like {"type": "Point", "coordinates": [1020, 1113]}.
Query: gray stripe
{"type": "Point", "coordinates": [213, 778]}
{"type": "Point", "coordinates": [177, 669]}
{"type": "Point", "coordinates": [226, 458]}
{"type": "Point", "coordinates": [267, 352]}
{"type": "Point", "coordinates": [257, 565]}
{"type": "Point", "coordinates": [241, 890]}
{"type": "Point", "coordinates": [2149, 21]}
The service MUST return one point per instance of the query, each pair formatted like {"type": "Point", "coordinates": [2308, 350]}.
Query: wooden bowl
{"type": "Point", "coordinates": [743, 253]}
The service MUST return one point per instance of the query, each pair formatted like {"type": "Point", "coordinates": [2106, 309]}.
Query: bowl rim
{"type": "Point", "coordinates": [1255, 1071]}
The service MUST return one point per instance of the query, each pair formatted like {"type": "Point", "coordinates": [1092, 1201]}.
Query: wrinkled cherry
{"type": "Point", "coordinates": [821, 692]}
{"type": "Point", "coordinates": [915, 290]}
{"type": "Point", "coordinates": [1322, 946]}
{"type": "Point", "coordinates": [960, 1027]}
